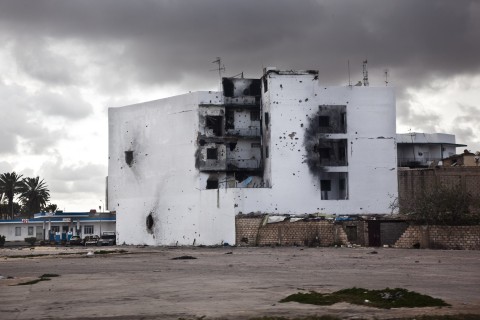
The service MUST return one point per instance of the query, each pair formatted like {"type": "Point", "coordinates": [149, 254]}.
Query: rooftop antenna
{"type": "Point", "coordinates": [365, 73]}
{"type": "Point", "coordinates": [220, 68]}
{"type": "Point", "coordinates": [240, 74]}
{"type": "Point", "coordinates": [386, 77]}
{"type": "Point", "coordinates": [349, 80]}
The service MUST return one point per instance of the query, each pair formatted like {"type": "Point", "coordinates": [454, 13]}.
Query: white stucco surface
{"type": "Point", "coordinates": [164, 180]}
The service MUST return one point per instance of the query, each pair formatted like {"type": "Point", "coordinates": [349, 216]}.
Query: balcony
{"type": "Point", "coordinates": [243, 164]}
{"type": "Point", "coordinates": [244, 132]}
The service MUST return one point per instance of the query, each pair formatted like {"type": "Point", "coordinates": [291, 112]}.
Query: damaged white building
{"type": "Point", "coordinates": [181, 168]}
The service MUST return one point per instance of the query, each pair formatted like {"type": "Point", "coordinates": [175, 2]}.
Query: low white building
{"type": "Point", "coordinates": [418, 149]}
{"type": "Point", "coordinates": [58, 226]}
{"type": "Point", "coordinates": [181, 168]}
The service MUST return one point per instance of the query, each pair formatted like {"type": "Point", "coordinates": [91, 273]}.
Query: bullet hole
{"type": "Point", "coordinates": [129, 158]}
{"type": "Point", "coordinates": [281, 86]}
{"type": "Point", "coordinates": [149, 223]}
{"type": "Point", "coordinates": [306, 99]}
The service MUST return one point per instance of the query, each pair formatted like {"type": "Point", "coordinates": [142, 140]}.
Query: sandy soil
{"type": "Point", "coordinates": [226, 283]}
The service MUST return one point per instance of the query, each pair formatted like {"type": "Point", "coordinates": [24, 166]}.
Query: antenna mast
{"type": "Point", "coordinates": [349, 80]}
{"type": "Point", "coordinates": [365, 73]}
{"type": "Point", "coordinates": [220, 68]}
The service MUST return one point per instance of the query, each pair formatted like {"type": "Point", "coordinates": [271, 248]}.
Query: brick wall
{"type": "Point", "coordinates": [308, 233]}
{"type": "Point", "coordinates": [441, 237]}
{"type": "Point", "coordinates": [415, 181]}
{"type": "Point", "coordinates": [246, 229]}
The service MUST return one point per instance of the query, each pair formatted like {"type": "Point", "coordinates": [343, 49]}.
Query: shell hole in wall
{"type": "Point", "coordinates": [129, 158]}
{"type": "Point", "coordinates": [149, 223]}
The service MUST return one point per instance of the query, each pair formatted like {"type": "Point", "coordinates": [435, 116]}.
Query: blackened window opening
{"type": "Point", "coordinates": [267, 119]}
{"type": "Point", "coordinates": [254, 115]}
{"type": "Point", "coordinates": [324, 153]}
{"type": "Point", "coordinates": [212, 154]}
{"type": "Point", "coordinates": [212, 184]}
{"type": "Point", "coordinates": [324, 121]}
{"type": "Point", "coordinates": [215, 123]}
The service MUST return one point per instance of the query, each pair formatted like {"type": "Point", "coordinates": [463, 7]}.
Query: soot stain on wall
{"type": "Point", "coordinates": [310, 142]}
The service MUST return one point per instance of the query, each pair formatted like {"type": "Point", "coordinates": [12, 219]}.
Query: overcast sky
{"type": "Point", "coordinates": [64, 63]}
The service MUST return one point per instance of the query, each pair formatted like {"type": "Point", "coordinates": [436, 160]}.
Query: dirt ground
{"type": "Point", "coordinates": [226, 282]}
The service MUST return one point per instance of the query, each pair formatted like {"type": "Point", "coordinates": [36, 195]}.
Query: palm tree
{"type": "Point", "coordinates": [52, 207]}
{"type": "Point", "coordinates": [34, 194]}
{"type": "Point", "coordinates": [10, 184]}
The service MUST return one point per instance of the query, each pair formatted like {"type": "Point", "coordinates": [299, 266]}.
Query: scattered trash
{"type": "Point", "coordinates": [183, 258]}
{"type": "Point", "coordinates": [230, 252]}
{"type": "Point", "coordinates": [373, 252]}
{"type": "Point", "coordinates": [90, 254]}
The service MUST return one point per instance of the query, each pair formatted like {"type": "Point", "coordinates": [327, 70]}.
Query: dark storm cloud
{"type": "Point", "coordinates": [168, 41]}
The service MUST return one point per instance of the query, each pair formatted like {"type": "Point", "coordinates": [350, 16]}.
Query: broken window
{"type": "Point", "coordinates": [212, 184]}
{"type": "Point", "coordinates": [334, 185]}
{"type": "Point", "coordinates": [267, 119]}
{"type": "Point", "coordinates": [325, 187]}
{"type": "Point", "coordinates": [230, 119]}
{"type": "Point", "coordinates": [215, 123]}
{"type": "Point", "coordinates": [212, 154]}
{"type": "Point", "coordinates": [332, 119]}
{"type": "Point", "coordinates": [129, 158]}
{"type": "Point", "coordinates": [324, 121]}
{"type": "Point", "coordinates": [228, 87]}
{"type": "Point", "coordinates": [324, 153]}
{"type": "Point", "coordinates": [332, 152]}
{"type": "Point", "coordinates": [255, 115]}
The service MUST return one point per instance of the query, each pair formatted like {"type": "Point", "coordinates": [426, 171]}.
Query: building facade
{"type": "Point", "coordinates": [45, 226]}
{"type": "Point", "coordinates": [417, 150]}
{"type": "Point", "coordinates": [181, 168]}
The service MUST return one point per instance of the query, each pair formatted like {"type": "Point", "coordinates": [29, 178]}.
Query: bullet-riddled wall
{"type": "Point", "coordinates": [153, 183]}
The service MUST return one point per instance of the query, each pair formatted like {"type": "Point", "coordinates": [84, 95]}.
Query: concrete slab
{"type": "Point", "coordinates": [226, 283]}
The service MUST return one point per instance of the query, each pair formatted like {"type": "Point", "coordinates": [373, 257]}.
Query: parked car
{"type": "Point", "coordinates": [91, 240]}
{"type": "Point", "coordinates": [108, 238]}
{"type": "Point", "coordinates": [75, 240]}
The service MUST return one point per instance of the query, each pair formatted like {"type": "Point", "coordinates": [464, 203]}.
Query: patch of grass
{"type": "Point", "coordinates": [184, 258]}
{"type": "Point", "coordinates": [43, 277]}
{"type": "Point", "coordinates": [385, 299]}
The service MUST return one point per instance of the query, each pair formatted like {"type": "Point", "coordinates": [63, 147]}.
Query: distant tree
{"type": "Point", "coordinates": [52, 207]}
{"type": "Point", "coordinates": [10, 185]}
{"type": "Point", "coordinates": [441, 205]}
{"type": "Point", "coordinates": [34, 195]}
